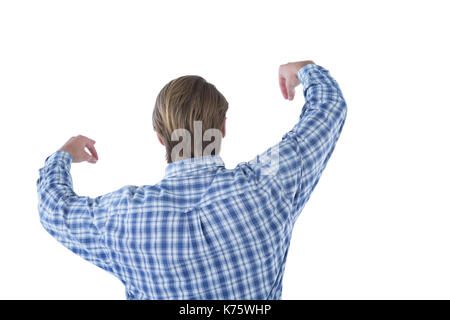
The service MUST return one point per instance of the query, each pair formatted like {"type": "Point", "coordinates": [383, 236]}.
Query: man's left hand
{"type": "Point", "coordinates": [76, 147]}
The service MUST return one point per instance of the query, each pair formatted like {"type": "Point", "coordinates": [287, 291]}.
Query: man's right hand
{"type": "Point", "coordinates": [287, 76]}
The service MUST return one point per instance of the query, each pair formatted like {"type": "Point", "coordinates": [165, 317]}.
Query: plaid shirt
{"type": "Point", "coordinates": [204, 231]}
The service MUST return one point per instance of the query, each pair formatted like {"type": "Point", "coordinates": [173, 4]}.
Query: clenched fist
{"type": "Point", "coordinates": [287, 76]}
{"type": "Point", "coordinates": [76, 147]}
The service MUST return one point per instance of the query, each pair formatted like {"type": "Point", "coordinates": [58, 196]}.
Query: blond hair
{"type": "Point", "coordinates": [181, 102]}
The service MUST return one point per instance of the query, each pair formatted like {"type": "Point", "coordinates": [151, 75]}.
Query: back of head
{"type": "Point", "coordinates": [183, 104]}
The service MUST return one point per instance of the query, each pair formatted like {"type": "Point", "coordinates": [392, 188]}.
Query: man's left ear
{"type": "Point", "coordinates": [159, 139]}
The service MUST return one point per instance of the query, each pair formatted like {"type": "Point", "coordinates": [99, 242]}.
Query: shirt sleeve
{"type": "Point", "coordinates": [298, 161]}
{"type": "Point", "coordinates": [78, 222]}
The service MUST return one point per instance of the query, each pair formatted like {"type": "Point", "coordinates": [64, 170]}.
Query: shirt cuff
{"type": "Point", "coordinates": [306, 75]}
{"type": "Point", "coordinates": [62, 156]}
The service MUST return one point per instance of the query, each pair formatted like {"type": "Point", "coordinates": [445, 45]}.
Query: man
{"type": "Point", "coordinates": [204, 231]}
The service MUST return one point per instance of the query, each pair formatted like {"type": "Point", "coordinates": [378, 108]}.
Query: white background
{"type": "Point", "coordinates": [377, 225]}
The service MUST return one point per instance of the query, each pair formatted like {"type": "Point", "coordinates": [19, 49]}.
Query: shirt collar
{"type": "Point", "coordinates": [193, 164]}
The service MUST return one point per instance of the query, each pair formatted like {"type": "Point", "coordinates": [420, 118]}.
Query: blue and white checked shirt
{"type": "Point", "coordinates": [204, 231]}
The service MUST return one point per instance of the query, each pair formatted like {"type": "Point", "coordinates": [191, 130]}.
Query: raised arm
{"type": "Point", "coordinates": [303, 153]}
{"type": "Point", "coordinates": [76, 221]}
